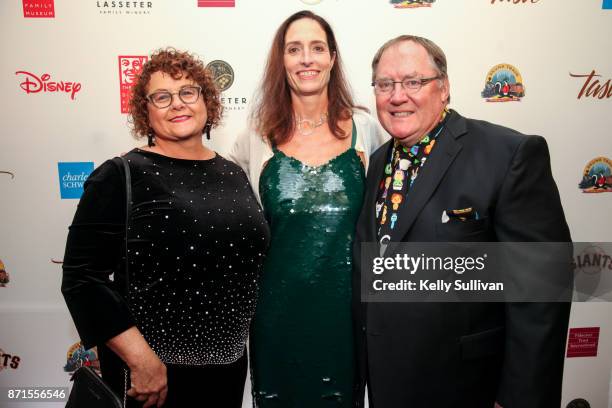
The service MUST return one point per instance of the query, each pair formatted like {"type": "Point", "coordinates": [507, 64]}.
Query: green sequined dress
{"type": "Point", "coordinates": [301, 337]}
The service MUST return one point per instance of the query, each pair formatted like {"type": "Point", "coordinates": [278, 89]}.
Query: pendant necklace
{"type": "Point", "coordinates": [306, 127]}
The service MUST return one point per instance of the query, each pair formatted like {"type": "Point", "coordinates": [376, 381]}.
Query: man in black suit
{"type": "Point", "coordinates": [494, 185]}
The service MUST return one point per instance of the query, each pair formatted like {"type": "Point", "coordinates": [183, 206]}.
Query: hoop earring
{"type": "Point", "coordinates": [207, 127]}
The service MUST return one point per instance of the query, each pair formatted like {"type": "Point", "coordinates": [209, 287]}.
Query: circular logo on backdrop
{"type": "Point", "coordinates": [597, 176]}
{"type": "Point", "coordinates": [579, 403]}
{"type": "Point", "coordinates": [4, 276]}
{"type": "Point", "coordinates": [504, 83]}
{"type": "Point", "coordinates": [411, 3]}
{"type": "Point", "coordinates": [77, 357]}
{"type": "Point", "coordinates": [223, 74]}
{"type": "Point", "coordinates": [589, 260]}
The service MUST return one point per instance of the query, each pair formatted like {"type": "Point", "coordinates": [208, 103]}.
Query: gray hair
{"type": "Point", "coordinates": [436, 55]}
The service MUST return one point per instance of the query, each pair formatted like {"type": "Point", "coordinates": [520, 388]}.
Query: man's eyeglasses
{"type": "Point", "coordinates": [410, 85]}
{"type": "Point", "coordinates": [187, 94]}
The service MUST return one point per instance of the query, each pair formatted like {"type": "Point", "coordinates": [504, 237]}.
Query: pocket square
{"type": "Point", "coordinates": [462, 214]}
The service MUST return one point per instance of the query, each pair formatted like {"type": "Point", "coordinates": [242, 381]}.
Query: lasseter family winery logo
{"type": "Point", "coordinates": [72, 176]}
{"type": "Point", "coordinates": [8, 361]}
{"type": "Point", "coordinates": [223, 75]}
{"type": "Point", "coordinates": [129, 67]}
{"type": "Point", "coordinates": [504, 84]}
{"type": "Point", "coordinates": [4, 276]}
{"type": "Point", "coordinates": [33, 83]}
{"type": "Point", "coordinates": [597, 176]}
{"type": "Point", "coordinates": [38, 8]}
{"type": "Point", "coordinates": [411, 3]}
{"type": "Point", "coordinates": [124, 7]}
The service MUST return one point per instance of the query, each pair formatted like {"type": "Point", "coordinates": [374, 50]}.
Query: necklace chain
{"type": "Point", "coordinates": [306, 127]}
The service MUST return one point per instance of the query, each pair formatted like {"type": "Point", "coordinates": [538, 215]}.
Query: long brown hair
{"type": "Point", "coordinates": [273, 115]}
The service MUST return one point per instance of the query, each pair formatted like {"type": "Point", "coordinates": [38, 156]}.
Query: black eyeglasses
{"type": "Point", "coordinates": [411, 85]}
{"type": "Point", "coordinates": [187, 94]}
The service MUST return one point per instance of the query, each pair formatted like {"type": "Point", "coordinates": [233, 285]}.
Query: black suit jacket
{"type": "Point", "coordinates": [439, 355]}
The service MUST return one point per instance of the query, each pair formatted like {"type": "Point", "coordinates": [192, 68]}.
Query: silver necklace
{"type": "Point", "coordinates": [306, 127]}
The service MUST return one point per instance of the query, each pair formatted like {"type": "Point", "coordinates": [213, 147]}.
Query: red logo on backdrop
{"type": "Point", "coordinates": [38, 8]}
{"type": "Point", "coordinates": [216, 3]}
{"type": "Point", "coordinates": [129, 67]}
{"type": "Point", "coordinates": [583, 342]}
{"type": "Point", "coordinates": [34, 84]}
{"type": "Point", "coordinates": [594, 88]}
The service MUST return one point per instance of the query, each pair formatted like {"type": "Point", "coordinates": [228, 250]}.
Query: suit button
{"type": "Point", "coordinates": [363, 329]}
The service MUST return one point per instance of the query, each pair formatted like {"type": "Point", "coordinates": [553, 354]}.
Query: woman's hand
{"type": "Point", "coordinates": [149, 382]}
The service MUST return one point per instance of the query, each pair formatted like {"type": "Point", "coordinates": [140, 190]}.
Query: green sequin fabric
{"type": "Point", "coordinates": [301, 337]}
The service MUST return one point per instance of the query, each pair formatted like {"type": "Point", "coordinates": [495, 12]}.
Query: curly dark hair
{"type": "Point", "coordinates": [176, 64]}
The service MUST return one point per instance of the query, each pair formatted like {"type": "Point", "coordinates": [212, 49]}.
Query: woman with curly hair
{"type": "Point", "coordinates": [195, 244]}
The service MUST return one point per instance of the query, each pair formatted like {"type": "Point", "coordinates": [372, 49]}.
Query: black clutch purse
{"type": "Point", "coordinates": [89, 391]}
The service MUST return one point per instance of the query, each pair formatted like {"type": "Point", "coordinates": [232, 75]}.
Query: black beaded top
{"type": "Point", "coordinates": [196, 244]}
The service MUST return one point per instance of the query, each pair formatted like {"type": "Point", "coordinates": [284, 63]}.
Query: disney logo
{"type": "Point", "coordinates": [8, 172]}
{"type": "Point", "coordinates": [34, 84]}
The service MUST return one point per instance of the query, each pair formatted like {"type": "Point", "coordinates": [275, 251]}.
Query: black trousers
{"type": "Point", "coordinates": [207, 386]}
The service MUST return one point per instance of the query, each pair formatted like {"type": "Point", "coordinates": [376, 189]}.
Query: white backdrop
{"type": "Point", "coordinates": [547, 40]}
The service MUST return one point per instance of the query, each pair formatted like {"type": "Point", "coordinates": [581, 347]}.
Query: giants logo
{"type": "Point", "coordinates": [129, 67]}
{"type": "Point", "coordinates": [38, 9]}
{"type": "Point", "coordinates": [8, 361]}
{"type": "Point", "coordinates": [35, 84]}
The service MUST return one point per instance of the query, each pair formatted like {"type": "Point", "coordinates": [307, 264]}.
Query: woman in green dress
{"type": "Point", "coordinates": [305, 157]}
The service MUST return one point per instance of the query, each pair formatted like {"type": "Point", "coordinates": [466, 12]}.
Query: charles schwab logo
{"type": "Point", "coordinates": [129, 67]}
{"type": "Point", "coordinates": [607, 4]}
{"type": "Point", "coordinates": [38, 8]}
{"type": "Point", "coordinates": [34, 84]}
{"type": "Point", "coordinates": [4, 276]}
{"type": "Point", "coordinates": [72, 176]}
{"type": "Point", "coordinates": [223, 74]}
{"type": "Point", "coordinates": [411, 3]}
{"type": "Point", "coordinates": [504, 84]}
{"type": "Point", "coordinates": [124, 7]}
{"type": "Point", "coordinates": [8, 361]}
{"type": "Point", "coordinates": [597, 176]}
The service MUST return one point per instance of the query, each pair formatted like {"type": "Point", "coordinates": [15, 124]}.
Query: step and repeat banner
{"type": "Point", "coordinates": [67, 67]}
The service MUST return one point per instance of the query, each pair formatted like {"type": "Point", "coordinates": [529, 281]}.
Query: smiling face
{"type": "Point", "coordinates": [405, 114]}
{"type": "Point", "coordinates": [307, 58]}
{"type": "Point", "coordinates": [179, 121]}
